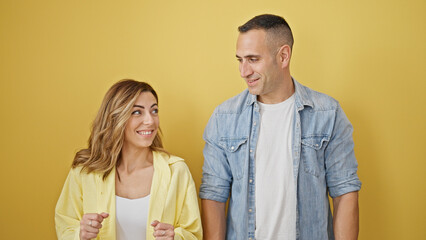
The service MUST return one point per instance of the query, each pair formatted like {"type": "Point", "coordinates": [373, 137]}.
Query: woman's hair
{"type": "Point", "coordinates": [107, 133]}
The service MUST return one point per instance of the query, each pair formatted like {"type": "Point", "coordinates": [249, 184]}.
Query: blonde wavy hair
{"type": "Point", "coordinates": [107, 133]}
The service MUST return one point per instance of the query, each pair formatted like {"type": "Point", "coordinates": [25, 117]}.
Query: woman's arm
{"type": "Point", "coordinates": [69, 208]}
{"type": "Point", "coordinates": [70, 221]}
{"type": "Point", "coordinates": [189, 223]}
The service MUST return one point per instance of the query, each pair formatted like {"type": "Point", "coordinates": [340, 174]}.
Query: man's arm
{"type": "Point", "coordinates": [346, 216]}
{"type": "Point", "coordinates": [215, 184]}
{"type": "Point", "coordinates": [342, 178]}
{"type": "Point", "coordinates": [213, 219]}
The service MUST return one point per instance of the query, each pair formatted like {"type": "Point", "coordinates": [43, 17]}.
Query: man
{"type": "Point", "coordinates": [277, 150]}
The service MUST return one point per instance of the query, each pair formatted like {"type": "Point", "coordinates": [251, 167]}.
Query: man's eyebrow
{"type": "Point", "coordinates": [249, 56]}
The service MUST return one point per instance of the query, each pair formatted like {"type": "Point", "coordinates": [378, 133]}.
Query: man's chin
{"type": "Point", "coordinates": [253, 91]}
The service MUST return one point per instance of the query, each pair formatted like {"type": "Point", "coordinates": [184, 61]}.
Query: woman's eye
{"type": "Point", "coordinates": [155, 111]}
{"type": "Point", "coordinates": [137, 112]}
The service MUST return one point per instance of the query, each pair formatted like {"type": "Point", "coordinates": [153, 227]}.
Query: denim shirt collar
{"type": "Point", "coordinates": [301, 97]}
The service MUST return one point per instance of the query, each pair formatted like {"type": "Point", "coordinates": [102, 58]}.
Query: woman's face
{"type": "Point", "coordinates": [142, 126]}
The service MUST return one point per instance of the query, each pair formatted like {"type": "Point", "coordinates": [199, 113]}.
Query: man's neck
{"type": "Point", "coordinates": [281, 94]}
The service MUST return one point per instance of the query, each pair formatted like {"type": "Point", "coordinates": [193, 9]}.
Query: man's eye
{"type": "Point", "coordinates": [253, 59]}
{"type": "Point", "coordinates": [239, 60]}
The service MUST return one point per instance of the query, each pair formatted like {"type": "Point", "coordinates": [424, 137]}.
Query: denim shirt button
{"type": "Point", "coordinates": [251, 150]}
{"type": "Point", "coordinates": [254, 123]}
{"type": "Point", "coordinates": [232, 147]}
{"type": "Point", "coordinates": [251, 180]}
{"type": "Point", "coordinates": [250, 210]}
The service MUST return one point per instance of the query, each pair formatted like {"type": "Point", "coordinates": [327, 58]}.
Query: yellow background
{"type": "Point", "coordinates": [58, 58]}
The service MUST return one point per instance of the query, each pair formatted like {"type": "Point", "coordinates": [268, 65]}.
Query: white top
{"type": "Point", "coordinates": [275, 188]}
{"type": "Point", "coordinates": [131, 218]}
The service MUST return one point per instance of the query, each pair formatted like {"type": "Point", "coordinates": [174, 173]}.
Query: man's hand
{"type": "Point", "coordinates": [346, 216]}
{"type": "Point", "coordinates": [213, 219]}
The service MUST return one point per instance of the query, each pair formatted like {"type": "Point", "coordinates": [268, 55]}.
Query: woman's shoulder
{"type": "Point", "coordinates": [81, 173]}
{"type": "Point", "coordinates": [175, 163]}
{"type": "Point", "coordinates": [167, 157]}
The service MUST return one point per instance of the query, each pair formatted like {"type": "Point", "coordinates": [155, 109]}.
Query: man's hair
{"type": "Point", "coordinates": [276, 25]}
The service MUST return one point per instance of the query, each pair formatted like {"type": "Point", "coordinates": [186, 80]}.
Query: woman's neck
{"type": "Point", "coordinates": [134, 159]}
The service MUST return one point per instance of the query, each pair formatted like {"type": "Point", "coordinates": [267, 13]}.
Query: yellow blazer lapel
{"type": "Point", "coordinates": [159, 189]}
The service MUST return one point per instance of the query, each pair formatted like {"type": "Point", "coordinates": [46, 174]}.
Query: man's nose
{"type": "Point", "coordinates": [245, 69]}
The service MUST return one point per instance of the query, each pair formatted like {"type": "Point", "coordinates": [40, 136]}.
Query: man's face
{"type": "Point", "coordinates": [259, 67]}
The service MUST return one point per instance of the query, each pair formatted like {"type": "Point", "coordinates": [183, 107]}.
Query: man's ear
{"type": "Point", "coordinates": [284, 55]}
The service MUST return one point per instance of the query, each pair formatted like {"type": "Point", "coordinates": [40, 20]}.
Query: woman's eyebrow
{"type": "Point", "coordinates": [139, 106]}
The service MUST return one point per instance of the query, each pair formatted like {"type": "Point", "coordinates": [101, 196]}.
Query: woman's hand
{"type": "Point", "coordinates": [163, 231]}
{"type": "Point", "coordinates": [90, 225]}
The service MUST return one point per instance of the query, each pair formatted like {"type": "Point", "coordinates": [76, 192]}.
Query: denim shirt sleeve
{"type": "Point", "coordinates": [217, 176]}
{"type": "Point", "coordinates": [341, 165]}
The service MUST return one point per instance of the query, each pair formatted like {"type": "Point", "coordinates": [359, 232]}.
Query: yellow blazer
{"type": "Point", "coordinates": [173, 200]}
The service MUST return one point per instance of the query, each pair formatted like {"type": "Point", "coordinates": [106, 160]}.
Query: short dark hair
{"type": "Point", "coordinates": [270, 23]}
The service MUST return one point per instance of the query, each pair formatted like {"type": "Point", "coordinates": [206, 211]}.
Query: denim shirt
{"type": "Point", "coordinates": [323, 161]}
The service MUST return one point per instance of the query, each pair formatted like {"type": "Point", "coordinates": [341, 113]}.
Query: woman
{"type": "Point", "coordinates": [125, 185]}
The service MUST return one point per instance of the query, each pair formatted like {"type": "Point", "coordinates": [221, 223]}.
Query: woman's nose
{"type": "Point", "coordinates": [148, 119]}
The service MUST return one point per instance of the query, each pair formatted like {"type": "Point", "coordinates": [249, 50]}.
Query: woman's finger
{"type": "Point", "coordinates": [159, 233]}
{"type": "Point", "coordinates": [163, 226]}
{"type": "Point", "coordinates": [88, 235]}
{"type": "Point", "coordinates": [164, 234]}
{"type": "Point", "coordinates": [95, 224]}
{"type": "Point", "coordinates": [94, 219]}
{"type": "Point", "coordinates": [163, 230]}
{"type": "Point", "coordinates": [163, 238]}
{"type": "Point", "coordinates": [87, 228]}
{"type": "Point", "coordinates": [154, 223]}
{"type": "Point", "coordinates": [95, 216]}
{"type": "Point", "coordinates": [90, 225]}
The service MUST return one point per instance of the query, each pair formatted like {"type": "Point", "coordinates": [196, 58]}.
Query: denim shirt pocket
{"type": "Point", "coordinates": [235, 149]}
{"type": "Point", "coordinates": [313, 153]}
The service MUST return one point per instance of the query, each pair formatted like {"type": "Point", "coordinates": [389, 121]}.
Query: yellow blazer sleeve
{"type": "Point", "coordinates": [69, 208]}
{"type": "Point", "coordinates": [188, 225]}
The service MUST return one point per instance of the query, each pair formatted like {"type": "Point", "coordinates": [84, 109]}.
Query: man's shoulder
{"type": "Point", "coordinates": [234, 104]}
{"type": "Point", "coordinates": [317, 100]}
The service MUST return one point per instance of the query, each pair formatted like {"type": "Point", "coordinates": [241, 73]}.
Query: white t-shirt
{"type": "Point", "coordinates": [275, 188]}
{"type": "Point", "coordinates": [131, 218]}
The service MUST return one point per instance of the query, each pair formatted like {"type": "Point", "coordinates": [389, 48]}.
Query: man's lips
{"type": "Point", "coordinates": [251, 82]}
